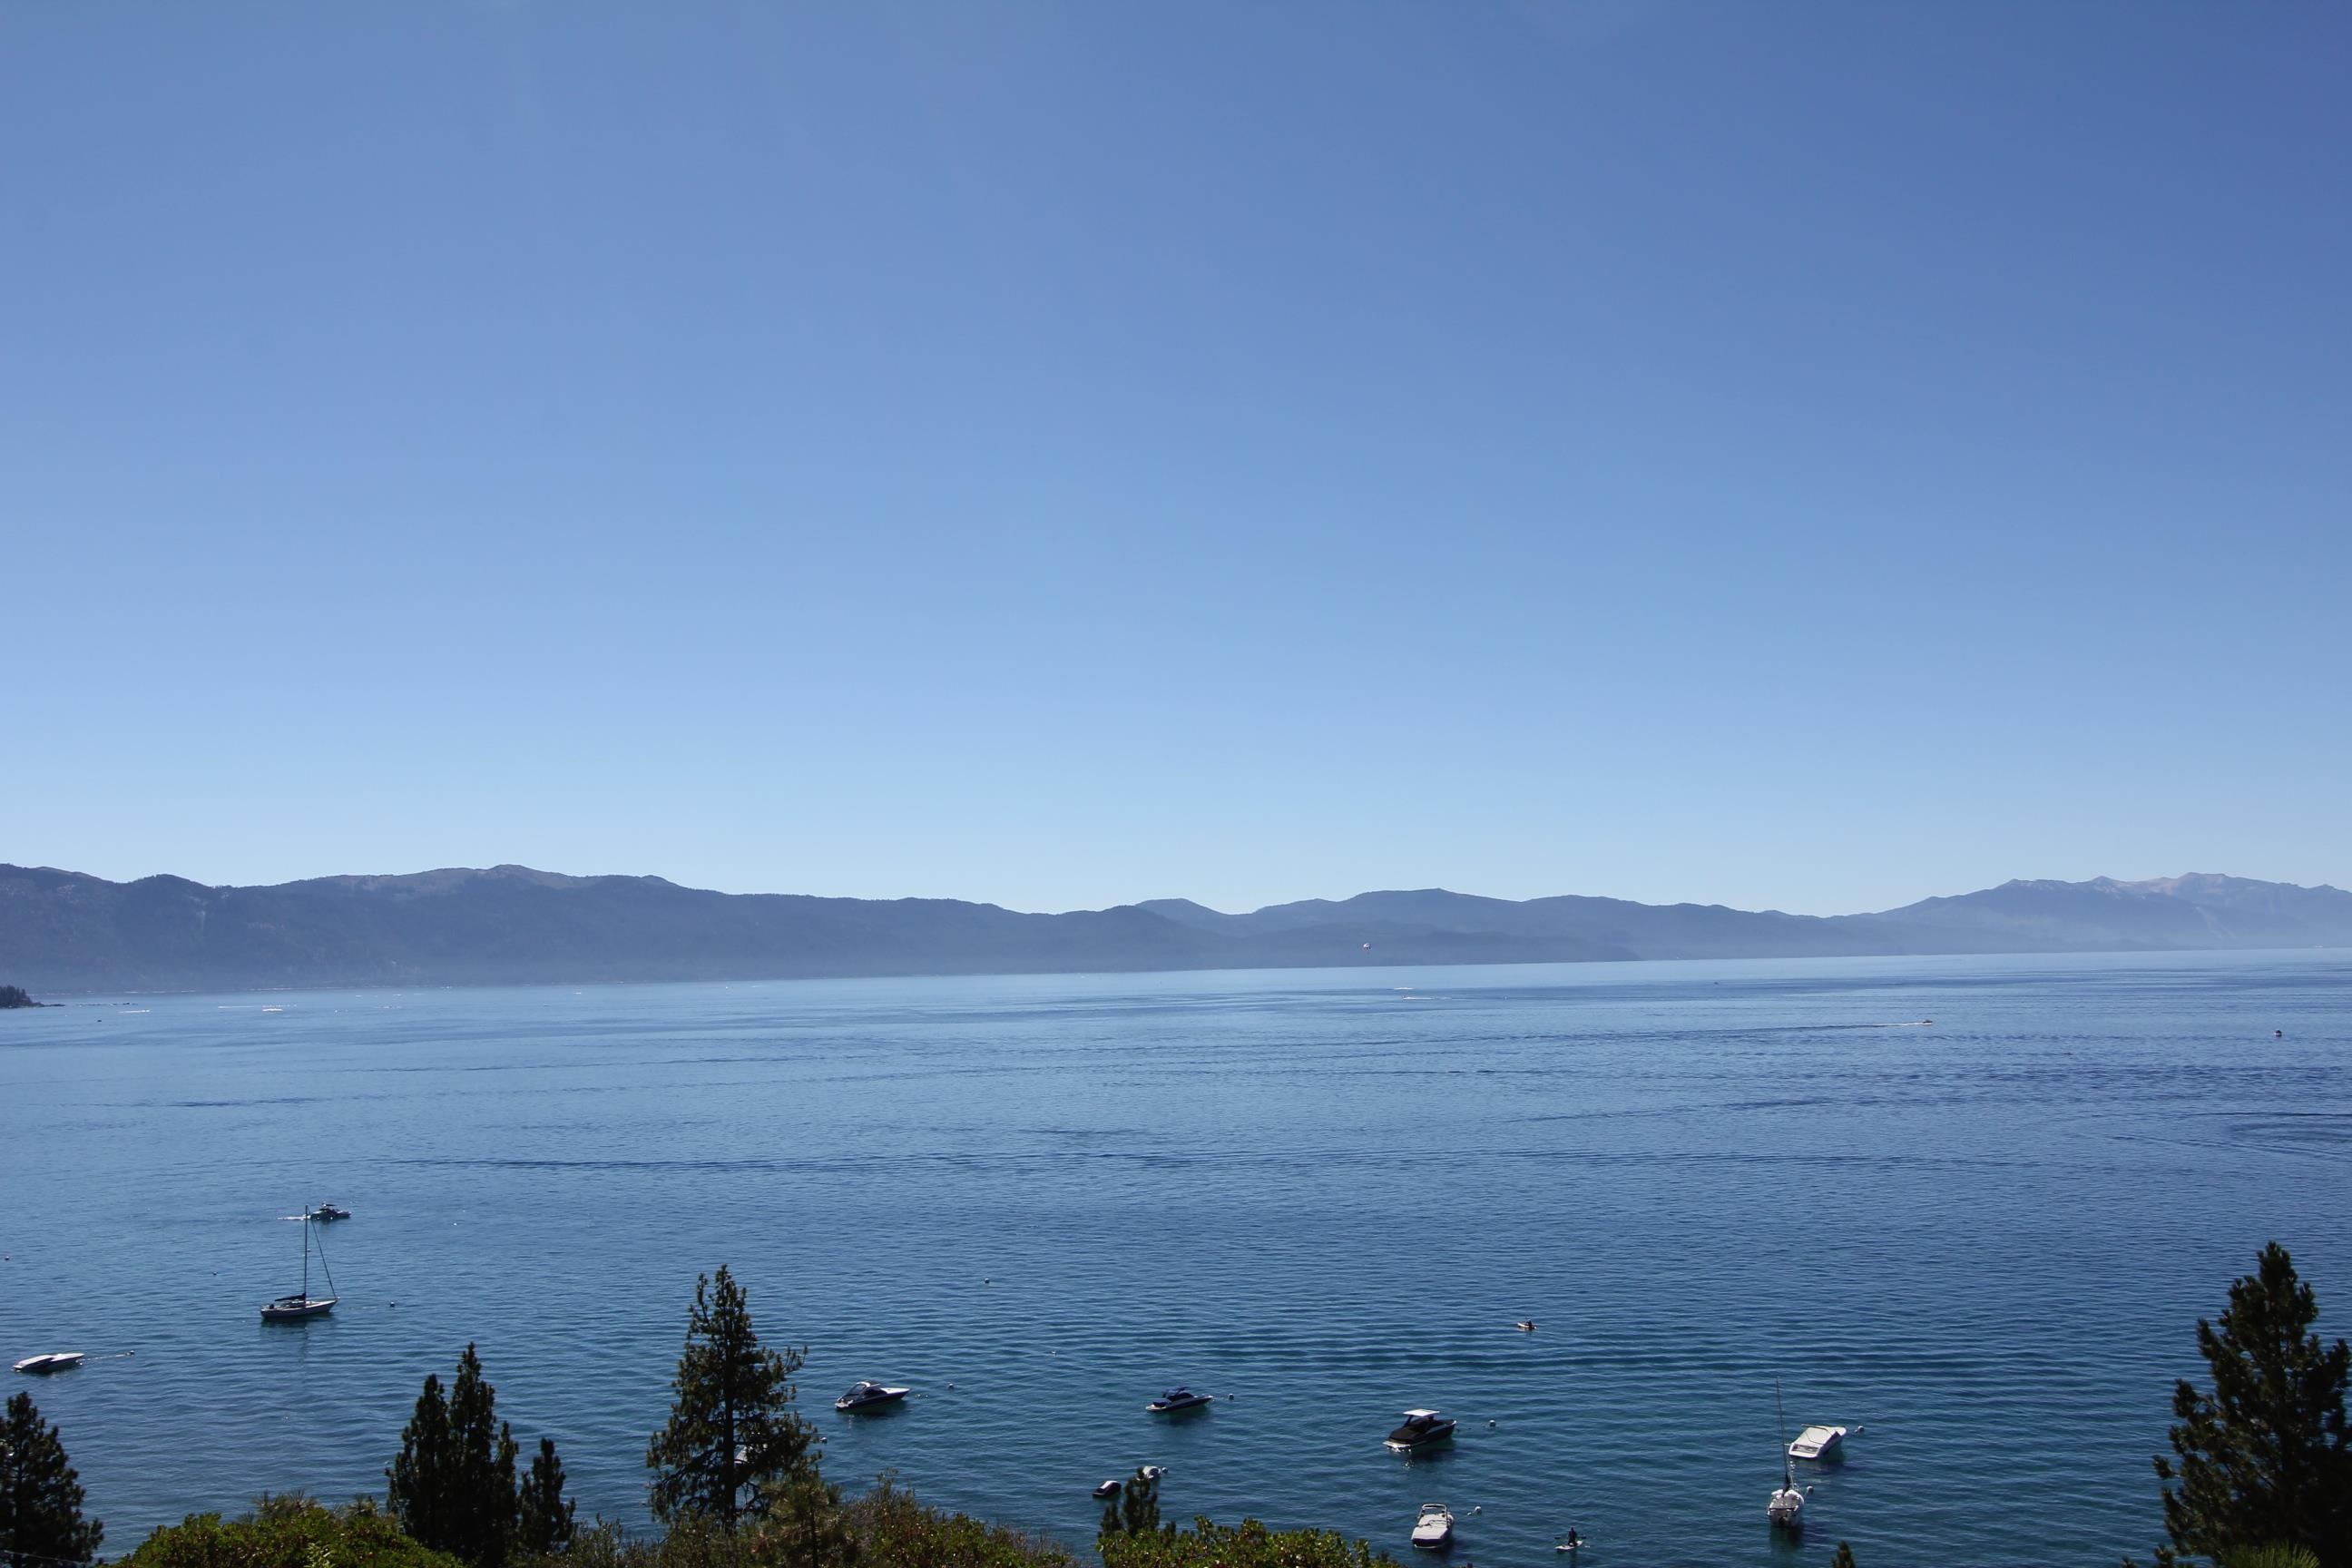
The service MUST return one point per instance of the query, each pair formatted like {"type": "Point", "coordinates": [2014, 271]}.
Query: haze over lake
{"type": "Point", "coordinates": [1326, 1193]}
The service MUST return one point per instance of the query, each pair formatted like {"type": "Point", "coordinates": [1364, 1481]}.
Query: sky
{"type": "Point", "coordinates": [1810, 457]}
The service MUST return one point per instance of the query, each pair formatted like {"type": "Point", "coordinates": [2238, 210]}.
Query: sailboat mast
{"type": "Point", "coordinates": [306, 1257]}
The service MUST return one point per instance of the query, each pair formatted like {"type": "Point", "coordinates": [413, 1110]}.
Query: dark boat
{"type": "Point", "coordinates": [867, 1396]}
{"type": "Point", "coordinates": [1177, 1399]}
{"type": "Point", "coordinates": [1421, 1429]}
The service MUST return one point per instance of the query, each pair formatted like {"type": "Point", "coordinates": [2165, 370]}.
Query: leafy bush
{"type": "Point", "coordinates": [287, 1533]}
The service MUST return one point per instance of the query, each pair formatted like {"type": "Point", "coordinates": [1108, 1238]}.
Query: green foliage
{"type": "Point", "coordinates": [2265, 1459]}
{"type": "Point", "coordinates": [2273, 1557]}
{"type": "Point", "coordinates": [16, 997]}
{"type": "Point", "coordinates": [40, 1495]}
{"type": "Point", "coordinates": [894, 1531]}
{"type": "Point", "coordinates": [732, 1423]}
{"type": "Point", "coordinates": [1844, 1558]}
{"type": "Point", "coordinates": [287, 1533]}
{"type": "Point", "coordinates": [543, 1523]}
{"type": "Point", "coordinates": [1246, 1545]}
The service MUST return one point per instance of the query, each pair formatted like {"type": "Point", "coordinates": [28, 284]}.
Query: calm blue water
{"type": "Point", "coordinates": [1326, 1193]}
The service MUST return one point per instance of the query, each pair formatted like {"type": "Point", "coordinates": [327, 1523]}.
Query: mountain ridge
{"type": "Point", "coordinates": [68, 931]}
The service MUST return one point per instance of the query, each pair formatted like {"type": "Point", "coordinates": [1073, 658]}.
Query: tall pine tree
{"type": "Point", "coordinates": [452, 1484]}
{"type": "Point", "coordinates": [544, 1521]}
{"type": "Point", "coordinates": [732, 1423]}
{"type": "Point", "coordinates": [40, 1496]}
{"type": "Point", "coordinates": [2264, 1459]}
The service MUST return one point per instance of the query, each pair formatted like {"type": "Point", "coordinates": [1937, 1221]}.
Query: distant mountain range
{"type": "Point", "coordinates": [61, 930]}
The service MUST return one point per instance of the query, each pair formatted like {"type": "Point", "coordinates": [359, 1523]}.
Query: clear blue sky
{"type": "Point", "coordinates": [1806, 455]}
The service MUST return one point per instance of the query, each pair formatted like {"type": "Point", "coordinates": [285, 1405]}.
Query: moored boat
{"type": "Point", "coordinates": [1420, 1429]}
{"type": "Point", "coordinates": [294, 1309]}
{"type": "Point", "coordinates": [869, 1395]}
{"type": "Point", "coordinates": [1434, 1528]}
{"type": "Point", "coordinates": [49, 1361]}
{"type": "Point", "coordinates": [1176, 1401]}
{"type": "Point", "coordinates": [1820, 1444]}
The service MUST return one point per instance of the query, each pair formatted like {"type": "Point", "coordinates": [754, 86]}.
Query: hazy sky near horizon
{"type": "Point", "coordinates": [1806, 455]}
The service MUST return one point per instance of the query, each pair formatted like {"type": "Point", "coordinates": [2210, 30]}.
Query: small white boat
{"type": "Point", "coordinates": [867, 1396]}
{"type": "Point", "coordinates": [1525, 1325]}
{"type": "Point", "coordinates": [1150, 1472]}
{"type": "Point", "coordinates": [53, 1361]}
{"type": "Point", "coordinates": [1420, 1429]}
{"type": "Point", "coordinates": [1435, 1529]}
{"type": "Point", "coordinates": [1108, 1489]}
{"type": "Point", "coordinates": [1818, 1443]}
{"type": "Point", "coordinates": [1176, 1400]}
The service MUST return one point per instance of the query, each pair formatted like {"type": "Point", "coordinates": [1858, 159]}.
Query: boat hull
{"type": "Point", "coordinates": [292, 1310]}
{"type": "Point", "coordinates": [872, 1402]}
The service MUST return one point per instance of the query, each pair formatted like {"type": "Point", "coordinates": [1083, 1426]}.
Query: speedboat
{"type": "Point", "coordinates": [52, 1360]}
{"type": "Point", "coordinates": [329, 1211]}
{"type": "Point", "coordinates": [1434, 1528]}
{"type": "Point", "coordinates": [1421, 1429]}
{"type": "Point", "coordinates": [1177, 1399]}
{"type": "Point", "coordinates": [1819, 1443]}
{"type": "Point", "coordinates": [866, 1396]}
{"type": "Point", "coordinates": [1108, 1489]}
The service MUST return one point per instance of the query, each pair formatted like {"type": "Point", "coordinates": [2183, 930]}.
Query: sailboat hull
{"type": "Point", "coordinates": [294, 1309]}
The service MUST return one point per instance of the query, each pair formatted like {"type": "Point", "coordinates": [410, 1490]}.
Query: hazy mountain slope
{"type": "Point", "coordinates": [64, 930]}
{"type": "Point", "coordinates": [2197, 910]}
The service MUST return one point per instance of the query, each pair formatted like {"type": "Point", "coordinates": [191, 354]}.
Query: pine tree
{"type": "Point", "coordinates": [545, 1523]}
{"type": "Point", "coordinates": [732, 1425]}
{"type": "Point", "coordinates": [2265, 1459]}
{"type": "Point", "coordinates": [452, 1486]}
{"type": "Point", "coordinates": [1844, 1558]}
{"type": "Point", "coordinates": [40, 1496]}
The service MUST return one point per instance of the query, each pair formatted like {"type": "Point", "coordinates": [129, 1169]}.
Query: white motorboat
{"type": "Point", "coordinates": [1176, 1401]}
{"type": "Point", "coordinates": [1819, 1443]}
{"type": "Point", "coordinates": [49, 1361]}
{"type": "Point", "coordinates": [302, 1304]}
{"type": "Point", "coordinates": [1150, 1472]}
{"type": "Point", "coordinates": [1420, 1429]}
{"type": "Point", "coordinates": [868, 1395]}
{"type": "Point", "coordinates": [1108, 1489]}
{"type": "Point", "coordinates": [1435, 1529]}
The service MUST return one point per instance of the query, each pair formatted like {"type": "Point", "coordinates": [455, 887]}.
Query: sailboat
{"type": "Point", "coordinates": [302, 1304]}
{"type": "Point", "coordinates": [1787, 1508]}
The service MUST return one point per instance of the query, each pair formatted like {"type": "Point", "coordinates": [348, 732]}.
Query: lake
{"type": "Point", "coordinates": [1326, 1195]}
